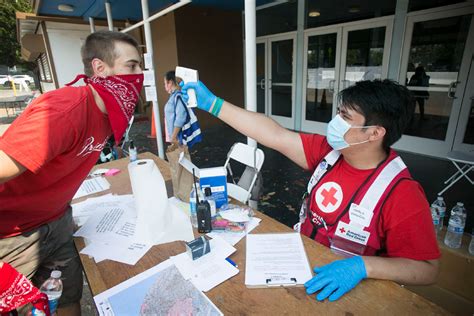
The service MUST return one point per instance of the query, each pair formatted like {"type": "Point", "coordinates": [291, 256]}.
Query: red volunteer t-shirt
{"type": "Point", "coordinates": [58, 138]}
{"type": "Point", "coordinates": [405, 226]}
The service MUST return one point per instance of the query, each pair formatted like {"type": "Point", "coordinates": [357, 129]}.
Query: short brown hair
{"type": "Point", "coordinates": [101, 45]}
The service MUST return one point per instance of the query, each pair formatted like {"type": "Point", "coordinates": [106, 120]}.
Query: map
{"type": "Point", "coordinates": [161, 290]}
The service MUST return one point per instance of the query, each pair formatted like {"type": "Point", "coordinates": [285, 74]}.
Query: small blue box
{"type": "Point", "coordinates": [216, 179]}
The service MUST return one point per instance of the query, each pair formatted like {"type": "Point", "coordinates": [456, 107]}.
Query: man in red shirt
{"type": "Point", "coordinates": [49, 150]}
{"type": "Point", "coordinates": [361, 201]}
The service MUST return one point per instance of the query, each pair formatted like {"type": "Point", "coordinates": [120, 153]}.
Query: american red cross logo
{"type": "Point", "coordinates": [342, 230]}
{"type": "Point", "coordinates": [329, 197]}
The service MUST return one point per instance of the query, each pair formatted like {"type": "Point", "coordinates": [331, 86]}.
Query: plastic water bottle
{"type": "Point", "coordinates": [441, 207]}
{"type": "Point", "coordinates": [457, 221]}
{"type": "Point", "coordinates": [192, 204]}
{"type": "Point", "coordinates": [53, 288]}
{"type": "Point", "coordinates": [471, 244]}
{"type": "Point", "coordinates": [132, 152]}
{"type": "Point", "coordinates": [436, 219]}
{"type": "Point", "coordinates": [211, 200]}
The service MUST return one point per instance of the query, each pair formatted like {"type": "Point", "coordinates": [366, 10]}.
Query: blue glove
{"type": "Point", "coordinates": [337, 278]}
{"type": "Point", "coordinates": [205, 98]}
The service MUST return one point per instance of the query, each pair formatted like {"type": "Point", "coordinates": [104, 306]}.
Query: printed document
{"type": "Point", "coordinates": [91, 186]}
{"type": "Point", "coordinates": [276, 260]}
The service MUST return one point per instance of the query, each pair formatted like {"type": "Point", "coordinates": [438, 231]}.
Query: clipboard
{"type": "Point", "coordinates": [276, 260]}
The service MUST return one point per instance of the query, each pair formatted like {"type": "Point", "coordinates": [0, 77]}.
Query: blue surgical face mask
{"type": "Point", "coordinates": [336, 130]}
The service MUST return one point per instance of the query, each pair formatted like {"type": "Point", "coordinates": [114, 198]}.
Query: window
{"type": "Point", "coordinates": [43, 65]}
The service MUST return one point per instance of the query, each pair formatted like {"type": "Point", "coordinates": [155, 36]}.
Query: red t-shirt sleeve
{"type": "Point", "coordinates": [315, 148]}
{"type": "Point", "coordinates": [407, 224]}
{"type": "Point", "coordinates": [38, 135]}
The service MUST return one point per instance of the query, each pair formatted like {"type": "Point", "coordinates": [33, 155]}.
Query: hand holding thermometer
{"type": "Point", "coordinates": [188, 75]}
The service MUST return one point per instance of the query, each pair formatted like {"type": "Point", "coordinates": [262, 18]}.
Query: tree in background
{"type": "Point", "coordinates": [10, 54]}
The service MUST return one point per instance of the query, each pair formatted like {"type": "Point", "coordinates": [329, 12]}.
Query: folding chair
{"type": "Point", "coordinates": [126, 139]}
{"type": "Point", "coordinates": [253, 159]}
{"type": "Point", "coordinates": [464, 163]}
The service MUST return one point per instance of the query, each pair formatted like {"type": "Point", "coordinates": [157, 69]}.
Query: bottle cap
{"type": "Point", "coordinates": [460, 204]}
{"type": "Point", "coordinates": [56, 274]}
{"type": "Point", "coordinates": [207, 191]}
{"type": "Point", "coordinates": [440, 198]}
{"type": "Point", "coordinates": [131, 144]}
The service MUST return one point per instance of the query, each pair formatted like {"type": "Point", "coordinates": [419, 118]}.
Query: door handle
{"type": "Point", "coordinates": [269, 83]}
{"type": "Point", "coordinates": [452, 89]}
{"type": "Point", "coordinates": [262, 84]}
{"type": "Point", "coordinates": [344, 83]}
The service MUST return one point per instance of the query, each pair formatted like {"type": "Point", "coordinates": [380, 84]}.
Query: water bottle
{"type": "Point", "coordinates": [53, 288]}
{"type": "Point", "coordinates": [457, 221]}
{"type": "Point", "coordinates": [132, 152]}
{"type": "Point", "coordinates": [436, 218]}
{"type": "Point", "coordinates": [471, 244]}
{"type": "Point", "coordinates": [441, 207]}
{"type": "Point", "coordinates": [192, 204]}
{"type": "Point", "coordinates": [210, 199]}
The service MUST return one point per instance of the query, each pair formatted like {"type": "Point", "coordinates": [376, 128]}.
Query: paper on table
{"type": "Point", "coordinates": [183, 206]}
{"type": "Point", "coordinates": [114, 224]}
{"type": "Point", "coordinates": [144, 295]}
{"type": "Point", "coordinates": [129, 254]}
{"type": "Point", "coordinates": [234, 237]}
{"type": "Point", "coordinates": [91, 186]}
{"type": "Point", "coordinates": [276, 259]}
{"type": "Point", "coordinates": [211, 269]}
{"type": "Point", "coordinates": [82, 211]}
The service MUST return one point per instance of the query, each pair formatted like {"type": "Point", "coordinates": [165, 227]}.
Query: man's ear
{"type": "Point", "coordinates": [377, 133]}
{"type": "Point", "coordinates": [99, 67]}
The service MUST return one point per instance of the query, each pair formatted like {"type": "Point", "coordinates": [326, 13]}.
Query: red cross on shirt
{"type": "Point", "coordinates": [329, 197]}
{"type": "Point", "coordinates": [342, 230]}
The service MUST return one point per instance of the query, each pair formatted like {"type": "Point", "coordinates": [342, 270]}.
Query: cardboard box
{"type": "Point", "coordinates": [215, 178]}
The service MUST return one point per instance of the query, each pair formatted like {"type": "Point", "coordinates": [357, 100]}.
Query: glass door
{"type": "Point", "coordinates": [365, 52]}
{"type": "Point", "coordinates": [276, 77]}
{"type": "Point", "coordinates": [337, 57]}
{"type": "Point", "coordinates": [435, 63]}
{"type": "Point", "coordinates": [321, 78]}
{"type": "Point", "coordinates": [281, 80]}
{"type": "Point", "coordinates": [464, 139]}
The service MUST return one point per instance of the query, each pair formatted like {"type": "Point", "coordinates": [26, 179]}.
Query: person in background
{"type": "Point", "coordinates": [361, 200]}
{"type": "Point", "coordinates": [49, 150]}
{"type": "Point", "coordinates": [420, 79]}
{"type": "Point", "coordinates": [181, 126]}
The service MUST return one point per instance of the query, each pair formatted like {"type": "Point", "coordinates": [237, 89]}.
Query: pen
{"type": "Point", "coordinates": [232, 262]}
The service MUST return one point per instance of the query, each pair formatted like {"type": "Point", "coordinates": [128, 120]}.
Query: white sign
{"type": "Point", "coordinates": [149, 78]}
{"type": "Point", "coordinates": [148, 60]}
{"type": "Point", "coordinates": [150, 93]}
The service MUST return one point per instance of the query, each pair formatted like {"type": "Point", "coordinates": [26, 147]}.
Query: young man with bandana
{"type": "Point", "coordinates": [47, 153]}
{"type": "Point", "coordinates": [361, 200]}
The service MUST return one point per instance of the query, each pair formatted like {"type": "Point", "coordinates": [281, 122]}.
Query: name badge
{"type": "Point", "coordinates": [360, 215]}
{"type": "Point", "coordinates": [353, 233]}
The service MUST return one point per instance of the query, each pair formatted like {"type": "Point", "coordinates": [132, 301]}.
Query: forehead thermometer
{"type": "Point", "coordinates": [188, 75]}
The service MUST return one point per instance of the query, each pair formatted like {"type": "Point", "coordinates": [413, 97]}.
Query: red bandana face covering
{"type": "Point", "coordinates": [120, 95]}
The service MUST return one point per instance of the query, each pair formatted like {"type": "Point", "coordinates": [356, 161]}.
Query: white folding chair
{"type": "Point", "coordinates": [126, 139]}
{"type": "Point", "coordinates": [252, 158]}
{"type": "Point", "coordinates": [464, 163]}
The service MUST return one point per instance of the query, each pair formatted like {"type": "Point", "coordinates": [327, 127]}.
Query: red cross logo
{"type": "Point", "coordinates": [329, 197]}
{"type": "Point", "coordinates": [342, 230]}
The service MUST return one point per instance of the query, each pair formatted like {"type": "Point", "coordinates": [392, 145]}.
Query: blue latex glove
{"type": "Point", "coordinates": [204, 97]}
{"type": "Point", "coordinates": [337, 278]}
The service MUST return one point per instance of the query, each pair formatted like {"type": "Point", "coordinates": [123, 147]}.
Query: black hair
{"type": "Point", "coordinates": [381, 102]}
{"type": "Point", "coordinates": [170, 76]}
{"type": "Point", "coordinates": [101, 45]}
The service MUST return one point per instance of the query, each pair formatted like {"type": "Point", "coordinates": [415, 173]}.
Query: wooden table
{"type": "Point", "coordinates": [233, 298]}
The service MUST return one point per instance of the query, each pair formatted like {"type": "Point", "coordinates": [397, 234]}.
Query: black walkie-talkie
{"type": "Point", "coordinates": [203, 212]}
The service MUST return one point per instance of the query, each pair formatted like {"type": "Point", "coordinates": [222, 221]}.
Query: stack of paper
{"type": "Point", "coordinates": [91, 186]}
{"type": "Point", "coordinates": [211, 269]}
{"type": "Point", "coordinates": [109, 228]}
